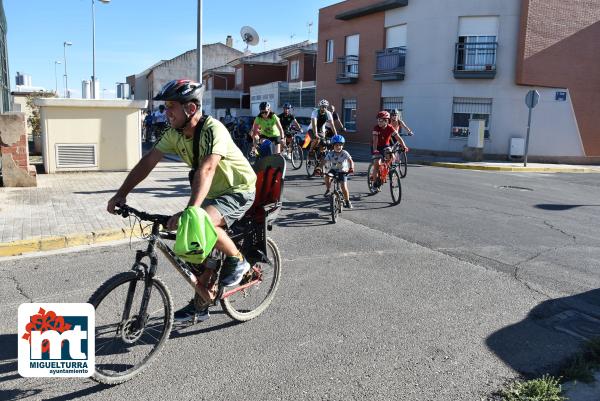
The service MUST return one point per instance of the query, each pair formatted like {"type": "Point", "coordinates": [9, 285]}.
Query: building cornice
{"type": "Point", "coordinates": [371, 9]}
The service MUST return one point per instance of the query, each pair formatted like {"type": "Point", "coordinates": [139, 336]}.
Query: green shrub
{"type": "Point", "coordinates": [547, 388]}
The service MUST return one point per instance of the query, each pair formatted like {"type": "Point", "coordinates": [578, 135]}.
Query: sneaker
{"type": "Point", "coordinates": [327, 193]}
{"type": "Point", "coordinates": [348, 204]}
{"type": "Point", "coordinates": [189, 314]}
{"type": "Point", "coordinates": [233, 271]}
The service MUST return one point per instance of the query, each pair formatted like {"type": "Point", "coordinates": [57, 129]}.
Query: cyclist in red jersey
{"type": "Point", "coordinates": [382, 133]}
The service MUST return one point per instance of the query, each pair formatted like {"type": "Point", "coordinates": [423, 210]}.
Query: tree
{"type": "Point", "coordinates": [34, 119]}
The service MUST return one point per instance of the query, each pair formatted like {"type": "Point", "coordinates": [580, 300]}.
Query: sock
{"type": "Point", "coordinates": [237, 256]}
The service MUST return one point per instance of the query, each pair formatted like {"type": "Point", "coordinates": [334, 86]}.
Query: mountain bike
{"type": "Point", "coordinates": [293, 151]}
{"type": "Point", "coordinates": [336, 199]}
{"type": "Point", "coordinates": [388, 170]}
{"type": "Point", "coordinates": [134, 309]}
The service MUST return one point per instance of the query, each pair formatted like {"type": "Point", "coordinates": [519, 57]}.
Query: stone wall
{"type": "Point", "coordinates": [14, 152]}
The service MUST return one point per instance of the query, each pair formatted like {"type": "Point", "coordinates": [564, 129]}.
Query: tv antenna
{"type": "Point", "coordinates": [249, 36]}
{"type": "Point", "coordinates": [309, 26]}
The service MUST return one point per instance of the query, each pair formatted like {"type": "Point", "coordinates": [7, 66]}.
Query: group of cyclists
{"type": "Point", "coordinates": [221, 178]}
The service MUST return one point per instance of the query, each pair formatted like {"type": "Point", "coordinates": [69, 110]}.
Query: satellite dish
{"type": "Point", "coordinates": [249, 36]}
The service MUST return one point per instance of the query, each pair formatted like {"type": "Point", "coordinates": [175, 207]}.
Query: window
{"type": "Point", "coordinates": [391, 103]}
{"type": "Point", "coordinates": [238, 76]}
{"type": "Point", "coordinates": [349, 114]}
{"type": "Point", "coordinates": [477, 43]}
{"type": "Point", "coordinates": [476, 53]}
{"type": "Point", "coordinates": [329, 52]}
{"type": "Point", "coordinates": [294, 69]}
{"type": "Point", "coordinates": [467, 108]}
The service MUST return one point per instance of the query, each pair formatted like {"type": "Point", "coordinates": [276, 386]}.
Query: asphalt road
{"type": "Point", "coordinates": [475, 278]}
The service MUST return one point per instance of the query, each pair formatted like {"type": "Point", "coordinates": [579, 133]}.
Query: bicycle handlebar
{"type": "Point", "coordinates": [125, 211]}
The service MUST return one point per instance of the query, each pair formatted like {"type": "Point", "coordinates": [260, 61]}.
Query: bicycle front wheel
{"type": "Point", "coordinates": [247, 303]}
{"type": "Point", "coordinates": [296, 156]}
{"type": "Point", "coordinates": [395, 186]}
{"type": "Point", "coordinates": [403, 167]}
{"type": "Point", "coordinates": [311, 163]}
{"type": "Point", "coordinates": [334, 205]}
{"type": "Point", "coordinates": [126, 343]}
{"type": "Point", "coordinates": [370, 183]}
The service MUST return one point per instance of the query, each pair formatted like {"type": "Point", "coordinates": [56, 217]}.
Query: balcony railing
{"type": "Point", "coordinates": [475, 60]}
{"type": "Point", "coordinates": [390, 64]}
{"type": "Point", "coordinates": [347, 70]}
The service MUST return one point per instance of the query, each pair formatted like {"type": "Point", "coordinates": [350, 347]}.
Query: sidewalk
{"type": "Point", "coordinates": [69, 209]}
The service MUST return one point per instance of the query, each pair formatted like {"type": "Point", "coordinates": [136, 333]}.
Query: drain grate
{"type": "Point", "coordinates": [515, 188]}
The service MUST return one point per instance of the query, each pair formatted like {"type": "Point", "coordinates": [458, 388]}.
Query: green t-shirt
{"type": "Point", "coordinates": [268, 125]}
{"type": "Point", "coordinates": [233, 174]}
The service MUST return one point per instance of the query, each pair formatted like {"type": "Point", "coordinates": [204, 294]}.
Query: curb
{"type": "Point", "coordinates": [37, 244]}
{"type": "Point", "coordinates": [464, 166]}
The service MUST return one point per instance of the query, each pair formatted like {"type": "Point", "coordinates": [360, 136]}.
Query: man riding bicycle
{"type": "Point", "coordinates": [288, 120]}
{"type": "Point", "coordinates": [222, 181]}
{"type": "Point", "coordinates": [318, 130]}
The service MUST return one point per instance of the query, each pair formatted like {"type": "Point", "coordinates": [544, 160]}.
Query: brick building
{"type": "Point", "coordinates": [444, 62]}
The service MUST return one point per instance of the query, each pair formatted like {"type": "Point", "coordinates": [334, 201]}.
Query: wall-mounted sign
{"type": "Point", "coordinates": [561, 96]}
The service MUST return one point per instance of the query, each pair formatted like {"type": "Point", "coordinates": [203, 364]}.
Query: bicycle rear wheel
{"type": "Point", "coordinates": [123, 349]}
{"type": "Point", "coordinates": [395, 186]}
{"type": "Point", "coordinates": [250, 302]}
{"type": "Point", "coordinates": [296, 155]}
{"type": "Point", "coordinates": [403, 168]}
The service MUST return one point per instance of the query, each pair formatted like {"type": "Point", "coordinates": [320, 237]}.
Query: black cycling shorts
{"type": "Point", "coordinates": [274, 139]}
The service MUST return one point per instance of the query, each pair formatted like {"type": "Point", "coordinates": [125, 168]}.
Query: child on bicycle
{"type": "Point", "coordinates": [341, 164]}
{"type": "Point", "coordinates": [382, 133]}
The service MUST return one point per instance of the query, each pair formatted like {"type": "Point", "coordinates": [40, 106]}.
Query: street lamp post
{"type": "Point", "coordinates": [94, 47]}
{"type": "Point", "coordinates": [199, 44]}
{"type": "Point", "coordinates": [65, 44]}
{"type": "Point", "coordinates": [56, 77]}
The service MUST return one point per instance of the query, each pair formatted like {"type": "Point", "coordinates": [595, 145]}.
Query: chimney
{"type": "Point", "coordinates": [229, 41]}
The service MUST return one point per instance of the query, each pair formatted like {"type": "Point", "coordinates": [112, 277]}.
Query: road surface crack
{"type": "Point", "coordinates": [571, 236]}
{"type": "Point", "coordinates": [18, 287]}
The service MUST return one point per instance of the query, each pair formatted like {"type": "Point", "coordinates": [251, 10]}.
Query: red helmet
{"type": "Point", "coordinates": [383, 114]}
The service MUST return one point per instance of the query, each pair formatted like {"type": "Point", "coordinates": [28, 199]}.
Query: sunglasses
{"type": "Point", "coordinates": [264, 112]}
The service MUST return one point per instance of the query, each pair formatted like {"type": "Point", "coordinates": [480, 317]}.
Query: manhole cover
{"type": "Point", "coordinates": [515, 188]}
{"type": "Point", "coordinates": [574, 323]}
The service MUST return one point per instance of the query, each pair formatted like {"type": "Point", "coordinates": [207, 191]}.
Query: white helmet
{"type": "Point", "coordinates": [323, 102]}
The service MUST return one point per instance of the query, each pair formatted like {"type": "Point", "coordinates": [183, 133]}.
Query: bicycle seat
{"type": "Point", "coordinates": [270, 175]}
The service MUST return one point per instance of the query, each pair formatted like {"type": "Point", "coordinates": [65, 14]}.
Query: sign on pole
{"type": "Point", "coordinates": [531, 100]}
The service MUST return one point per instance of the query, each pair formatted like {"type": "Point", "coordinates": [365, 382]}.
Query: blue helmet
{"type": "Point", "coordinates": [265, 148]}
{"type": "Point", "coordinates": [338, 139]}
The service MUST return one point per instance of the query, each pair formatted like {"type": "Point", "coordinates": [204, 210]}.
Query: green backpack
{"type": "Point", "coordinates": [196, 235]}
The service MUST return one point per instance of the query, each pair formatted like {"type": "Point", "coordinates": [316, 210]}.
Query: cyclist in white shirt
{"type": "Point", "coordinates": [318, 119]}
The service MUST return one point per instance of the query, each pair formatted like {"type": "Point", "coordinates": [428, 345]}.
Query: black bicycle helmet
{"type": "Point", "coordinates": [287, 106]}
{"type": "Point", "coordinates": [264, 106]}
{"type": "Point", "coordinates": [180, 90]}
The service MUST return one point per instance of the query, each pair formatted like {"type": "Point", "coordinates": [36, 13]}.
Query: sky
{"type": "Point", "coordinates": [132, 35]}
